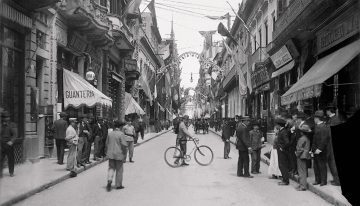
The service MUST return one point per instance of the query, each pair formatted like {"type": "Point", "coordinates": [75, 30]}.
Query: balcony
{"type": "Point", "coordinates": [122, 34]}
{"type": "Point", "coordinates": [131, 70]}
{"type": "Point", "coordinates": [89, 18]}
{"type": "Point", "coordinates": [298, 16]}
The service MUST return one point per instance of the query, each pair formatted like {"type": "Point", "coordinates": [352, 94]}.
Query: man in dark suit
{"type": "Point", "coordinates": [283, 142]}
{"type": "Point", "coordinates": [332, 121]}
{"type": "Point", "coordinates": [59, 127]}
{"type": "Point", "coordinates": [319, 148]}
{"type": "Point", "coordinates": [84, 133]}
{"type": "Point", "coordinates": [243, 145]}
{"type": "Point", "coordinates": [225, 136]}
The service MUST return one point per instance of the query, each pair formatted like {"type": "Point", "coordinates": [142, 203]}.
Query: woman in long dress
{"type": "Point", "coordinates": [273, 169]}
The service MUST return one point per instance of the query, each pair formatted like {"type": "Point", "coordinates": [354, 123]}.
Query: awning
{"type": "Point", "coordinates": [131, 106]}
{"type": "Point", "coordinates": [310, 84]}
{"type": "Point", "coordinates": [78, 92]}
{"type": "Point", "coordinates": [284, 69]}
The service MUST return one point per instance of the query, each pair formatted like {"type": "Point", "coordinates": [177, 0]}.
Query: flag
{"type": "Point", "coordinates": [155, 92]}
{"type": "Point", "coordinates": [208, 38]}
{"type": "Point", "coordinates": [151, 7]}
{"type": "Point", "coordinates": [224, 32]}
{"type": "Point", "coordinates": [218, 17]}
{"type": "Point", "coordinates": [165, 51]}
{"type": "Point", "coordinates": [132, 8]}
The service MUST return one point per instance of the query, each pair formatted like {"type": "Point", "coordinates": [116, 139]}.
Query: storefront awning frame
{"type": "Point", "coordinates": [310, 84]}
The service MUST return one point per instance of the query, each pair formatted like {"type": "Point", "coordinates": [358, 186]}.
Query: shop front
{"type": "Point", "coordinates": [260, 81]}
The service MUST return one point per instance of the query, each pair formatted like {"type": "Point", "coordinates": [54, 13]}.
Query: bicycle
{"type": "Point", "coordinates": [203, 154]}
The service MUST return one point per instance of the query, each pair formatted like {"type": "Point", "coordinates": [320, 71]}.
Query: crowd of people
{"type": "Point", "coordinates": [301, 141]}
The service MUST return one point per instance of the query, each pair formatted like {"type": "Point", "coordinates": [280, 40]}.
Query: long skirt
{"type": "Point", "coordinates": [274, 164]}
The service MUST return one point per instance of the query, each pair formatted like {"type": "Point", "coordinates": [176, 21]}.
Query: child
{"type": "Point", "coordinates": [303, 155]}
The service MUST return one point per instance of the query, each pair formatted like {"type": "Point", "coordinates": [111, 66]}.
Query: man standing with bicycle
{"type": "Point", "coordinates": [181, 138]}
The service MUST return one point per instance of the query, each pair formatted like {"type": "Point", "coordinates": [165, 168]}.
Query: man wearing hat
{"type": "Point", "coordinates": [319, 148]}
{"type": "Point", "coordinates": [303, 155]}
{"type": "Point", "coordinates": [8, 137]}
{"type": "Point", "coordinates": [181, 138]}
{"type": "Point", "coordinates": [225, 136]}
{"type": "Point", "coordinates": [283, 151]}
{"type": "Point", "coordinates": [243, 145]}
{"type": "Point", "coordinates": [72, 139]}
{"type": "Point", "coordinates": [59, 127]}
{"type": "Point", "coordinates": [332, 121]}
{"type": "Point", "coordinates": [84, 133]}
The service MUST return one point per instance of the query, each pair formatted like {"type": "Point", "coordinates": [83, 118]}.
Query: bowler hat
{"type": "Point", "coordinates": [330, 106]}
{"type": "Point", "coordinates": [305, 128]}
{"type": "Point", "coordinates": [319, 114]}
{"type": "Point", "coordinates": [5, 114]}
{"type": "Point", "coordinates": [186, 116]}
{"type": "Point", "coordinates": [280, 121]}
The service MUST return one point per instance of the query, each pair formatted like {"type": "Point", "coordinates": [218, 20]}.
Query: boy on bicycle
{"type": "Point", "coordinates": [181, 138]}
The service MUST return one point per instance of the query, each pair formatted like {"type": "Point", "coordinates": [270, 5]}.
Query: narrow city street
{"type": "Point", "coordinates": [149, 181]}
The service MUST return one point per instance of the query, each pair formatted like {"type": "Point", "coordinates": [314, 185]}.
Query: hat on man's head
{"type": "Point", "coordinates": [330, 106]}
{"type": "Point", "coordinates": [62, 114]}
{"type": "Point", "coordinates": [186, 117]}
{"type": "Point", "coordinates": [301, 115]}
{"type": "Point", "coordinates": [280, 121]}
{"type": "Point", "coordinates": [245, 118]}
{"type": "Point", "coordinates": [5, 114]}
{"type": "Point", "coordinates": [319, 114]}
{"type": "Point", "coordinates": [305, 128]}
{"type": "Point", "coordinates": [72, 119]}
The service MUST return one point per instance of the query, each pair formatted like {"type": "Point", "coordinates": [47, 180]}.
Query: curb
{"type": "Point", "coordinates": [311, 187]}
{"type": "Point", "coordinates": [65, 177]}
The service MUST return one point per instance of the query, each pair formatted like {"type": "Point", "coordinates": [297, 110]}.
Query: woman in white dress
{"type": "Point", "coordinates": [273, 169]}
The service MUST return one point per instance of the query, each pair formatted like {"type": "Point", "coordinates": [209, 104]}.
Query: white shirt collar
{"type": "Point", "coordinates": [331, 115]}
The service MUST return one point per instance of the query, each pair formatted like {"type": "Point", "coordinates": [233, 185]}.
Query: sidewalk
{"type": "Point", "coordinates": [330, 193]}
{"type": "Point", "coordinates": [31, 178]}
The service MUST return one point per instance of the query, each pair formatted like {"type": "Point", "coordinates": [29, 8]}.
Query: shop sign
{"type": "Point", "coordinates": [281, 57]}
{"type": "Point", "coordinates": [260, 76]}
{"type": "Point", "coordinates": [337, 31]}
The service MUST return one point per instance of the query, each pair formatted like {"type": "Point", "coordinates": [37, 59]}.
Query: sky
{"type": "Point", "coordinates": [187, 26]}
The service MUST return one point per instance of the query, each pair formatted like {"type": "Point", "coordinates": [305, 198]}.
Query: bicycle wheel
{"type": "Point", "coordinates": [172, 157]}
{"type": "Point", "coordinates": [204, 155]}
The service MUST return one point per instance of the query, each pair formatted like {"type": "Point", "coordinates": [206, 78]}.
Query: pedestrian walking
{"type": "Point", "coordinates": [303, 155]}
{"type": "Point", "coordinates": [129, 132]}
{"type": "Point", "coordinates": [256, 144]}
{"type": "Point", "coordinates": [243, 145]}
{"type": "Point", "coordinates": [294, 136]}
{"type": "Point", "coordinates": [225, 136]}
{"type": "Point", "coordinates": [72, 139]}
{"type": "Point", "coordinates": [283, 151]}
{"type": "Point", "coordinates": [333, 121]}
{"type": "Point", "coordinates": [136, 125]}
{"type": "Point", "coordinates": [8, 138]}
{"type": "Point", "coordinates": [116, 145]}
{"type": "Point", "coordinates": [319, 148]}
{"type": "Point", "coordinates": [104, 123]}
{"type": "Point", "coordinates": [59, 128]}
{"type": "Point", "coordinates": [142, 127]}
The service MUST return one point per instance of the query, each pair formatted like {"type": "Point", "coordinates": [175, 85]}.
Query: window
{"type": "Point", "coordinates": [260, 39]}
{"type": "Point", "coordinates": [273, 20]}
{"type": "Point", "coordinates": [40, 39]}
{"type": "Point", "coordinates": [266, 33]}
{"type": "Point", "coordinates": [115, 7]}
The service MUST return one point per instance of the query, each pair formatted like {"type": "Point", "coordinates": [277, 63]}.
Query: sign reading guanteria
{"type": "Point", "coordinates": [78, 92]}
